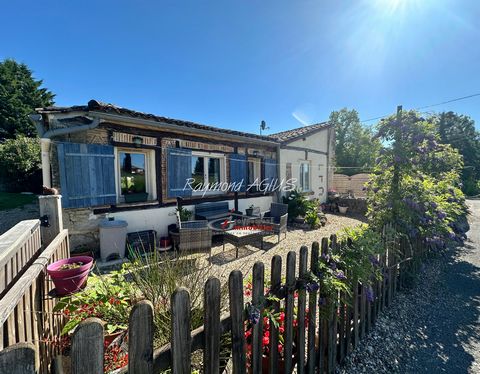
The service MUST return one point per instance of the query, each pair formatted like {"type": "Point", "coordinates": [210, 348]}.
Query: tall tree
{"type": "Point", "coordinates": [20, 94]}
{"type": "Point", "coordinates": [459, 131]}
{"type": "Point", "coordinates": [356, 148]}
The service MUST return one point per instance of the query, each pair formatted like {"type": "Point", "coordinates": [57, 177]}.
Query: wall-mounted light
{"type": "Point", "coordinates": [137, 140]}
{"type": "Point", "coordinates": [256, 153]}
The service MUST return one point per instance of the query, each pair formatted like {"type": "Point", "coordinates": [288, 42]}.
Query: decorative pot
{"type": "Point", "coordinates": [249, 211]}
{"type": "Point", "coordinates": [342, 209]}
{"type": "Point", "coordinates": [70, 280]}
{"type": "Point", "coordinates": [109, 338]}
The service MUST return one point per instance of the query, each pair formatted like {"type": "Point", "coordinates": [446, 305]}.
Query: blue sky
{"type": "Point", "coordinates": [235, 63]}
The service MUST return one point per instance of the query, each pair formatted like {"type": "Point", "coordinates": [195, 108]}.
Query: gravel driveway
{"type": "Point", "coordinates": [434, 327]}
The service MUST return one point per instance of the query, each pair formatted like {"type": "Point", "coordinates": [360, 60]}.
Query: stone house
{"type": "Point", "coordinates": [108, 160]}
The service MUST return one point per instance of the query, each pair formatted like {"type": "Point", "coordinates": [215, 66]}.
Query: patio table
{"type": "Point", "coordinates": [240, 230]}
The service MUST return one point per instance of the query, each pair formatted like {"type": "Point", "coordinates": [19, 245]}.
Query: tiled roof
{"type": "Point", "coordinates": [97, 106]}
{"type": "Point", "coordinates": [300, 132]}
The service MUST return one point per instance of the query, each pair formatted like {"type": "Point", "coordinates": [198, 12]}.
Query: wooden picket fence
{"type": "Point", "coordinates": [26, 308]}
{"type": "Point", "coordinates": [317, 344]}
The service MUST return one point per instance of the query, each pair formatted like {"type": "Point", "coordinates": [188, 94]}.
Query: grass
{"type": "Point", "coordinates": [15, 200]}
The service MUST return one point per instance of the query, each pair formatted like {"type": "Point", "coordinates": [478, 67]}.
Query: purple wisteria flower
{"type": "Point", "coordinates": [374, 261]}
{"type": "Point", "coordinates": [312, 287]}
{"type": "Point", "coordinates": [369, 294]}
{"type": "Point", "coordinates": [441, 215]}
{"type": "Point", "coordinates": [253, 314]}
{"type": "Point", "coordinates": [333, 265]}
{"type": "Point", "coordinates": [340, 275]}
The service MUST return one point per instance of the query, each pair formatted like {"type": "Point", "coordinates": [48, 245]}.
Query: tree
{"type": "Point", "coordinates": [425, 199]}
{"type": "Point", "coordinates": [459, 131]}
{"type": "Point", "coordinates": [20, 94]}
{"type": "Point", "coordinates": [356, 148]}
{"type": "Point", "coordinates": [20, 164]}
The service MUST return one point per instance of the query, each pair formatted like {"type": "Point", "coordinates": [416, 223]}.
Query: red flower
{"type": "Point", "coordinates": [266, 340]}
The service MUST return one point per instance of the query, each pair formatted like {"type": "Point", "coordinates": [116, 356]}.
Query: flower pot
{"type": "Point", "coordinates": [70, 280]}
{"type": "Point", "coordinates": [136, 197]}
{"type": "Point", "coordinates": [249, 211]}
{"type": "Point", "coordinates": [342, 209]}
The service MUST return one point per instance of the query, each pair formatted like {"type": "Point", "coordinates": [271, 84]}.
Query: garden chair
{"type": "Point", "coordinates": [192, 236]}
{"type": "Point", "coordinates": [277, 217]}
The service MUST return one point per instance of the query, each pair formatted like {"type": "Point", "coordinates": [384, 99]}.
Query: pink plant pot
{"type": "Point", "coordinates": [70, 280]}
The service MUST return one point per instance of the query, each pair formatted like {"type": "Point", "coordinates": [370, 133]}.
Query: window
{"type": "Point", "coordinates": [136, 175]}
{"type": "Point", "coordinates": [207, 169]}
{"type": "Point", "coordinates": [132, 173]}
{"type": "Point", "coordinates": [304, 176]}
{"type": "Point", "coordinates": [254, 174]}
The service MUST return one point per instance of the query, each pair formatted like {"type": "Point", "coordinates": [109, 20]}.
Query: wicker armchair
{"type": "Point", "coordinates": [277, 217]}
{"type": "Point", "coordinates": [192, 236]}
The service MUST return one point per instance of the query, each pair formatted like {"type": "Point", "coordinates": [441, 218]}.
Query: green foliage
{"type": "Point", "coordinates": [156, 276]}
{"type": "Point", "coordinates": [20, 94]}
{"type": "Point", "coordinates": [356, 148]}
{"type": "Point", "coordinates": [299, 205]}
{"type": "Point", "coordinates": [20, 164]}
{"type": "Point", "coordinates": [459, 131]}
{"type": "Point", "coordinates": [185, 214]}
{"type": "Point", "coordinates": [416, 182]}
{"type": "Point", "coordinates": [15, 200]}
{"type": "Point", "coordinates": [106, 297]}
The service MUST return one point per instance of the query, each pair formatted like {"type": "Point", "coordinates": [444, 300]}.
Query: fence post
{"type": "Point", "coordinates": [302, 298]}
{"type": "Point", "coordinates": [181, 338]}
{"type": "Point", "coordinates": [211, 318]}
{"type": "Point", "coordinates": [51, 207]}
{"type": "Point", "coordinates": [289, 305]}
{"type": "Point", "coordinates": [87, 347]}
{"type": "Point", "coordinates": [257, 303]}
{"type": "Point", "coordinates": [312, 311]}
{"type": "Point", "coordinates": [140, 338]}
{"type": "Point", "coordinates": [19, 359]}
{"type": "Point", "coordinates": [275, 283]}
{"type": "Point", "coordinates": [323, 324]}
{"type": "Point", "coordinates": [235, 286]}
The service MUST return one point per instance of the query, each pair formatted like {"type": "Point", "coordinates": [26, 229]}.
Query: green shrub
{"type": "Point", "coordinates": [20, 164]}
{"type": "Point", "coordinates": [299, 205]}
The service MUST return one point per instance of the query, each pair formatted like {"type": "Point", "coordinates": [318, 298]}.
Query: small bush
{"type": "Point", "coordinates": [20, 164]}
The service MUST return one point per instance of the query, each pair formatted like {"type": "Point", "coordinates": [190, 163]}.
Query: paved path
{"type": "Point", "coordinates": [434, 327]}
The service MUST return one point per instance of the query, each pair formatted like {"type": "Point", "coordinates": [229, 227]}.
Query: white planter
{"type": "Point", "coordinates": [343, 209]}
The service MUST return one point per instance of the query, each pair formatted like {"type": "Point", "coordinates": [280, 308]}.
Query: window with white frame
{"type": "Point", "coordinates": [135, 175]}
{"type": "Point", "coordinates": [304, 179]}
{"type": "Point", "coordinates": [207, 169]}
{"type": "Point", "coordinates": [254, 173]}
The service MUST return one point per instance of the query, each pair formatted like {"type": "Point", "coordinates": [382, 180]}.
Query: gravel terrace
{"type": "Point", "coordinates": [434, 327]}
{"type": "Point", "coordinates": [225, 262]}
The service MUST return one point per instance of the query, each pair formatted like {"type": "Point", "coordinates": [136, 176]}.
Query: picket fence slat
{"type": "Point", "coordinates": [289, 305]}
{"type": "Point", "coordinates": [275, 283]}
{"type": "Point", "coordinates": [87, 347]}
{"type": "Point", "coordinates": [19, 358]}
{"type": "Point", "coordinates": [301, 311]}
{"type": "Point", "coordinates": [258, 306]}
{"type": "Point", "coordinates": [181, 338]}
{"type": "Point", "coordinates": [140, 338]}
{"type": "Point", "coordinates": [312, 310]}
{"type": "Point", "coordinates": [211, 351]}
{"type": "Point", "coordinates": [323, 324]}
{"type": "Point", "coordinates": [235, 286]}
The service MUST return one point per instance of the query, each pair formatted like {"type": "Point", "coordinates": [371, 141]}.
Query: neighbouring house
{"type": "Point", "coordinates": [307, 154]}
{"type": "Point", "coordinates": [108, 160]}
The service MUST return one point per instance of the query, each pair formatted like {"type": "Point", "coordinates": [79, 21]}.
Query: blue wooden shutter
{"type": "Point", "coordinates": [87, 174]}
{"type": "Point", "coordinates": [179, 167]}
{"type": "Point", "coordinates": [270, 170]}
{"type": "Point", "coordinates": [238, 170]}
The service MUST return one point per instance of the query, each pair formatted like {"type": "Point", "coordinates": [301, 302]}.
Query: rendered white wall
{"type": "Point", "coordinates": [159, 219]}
